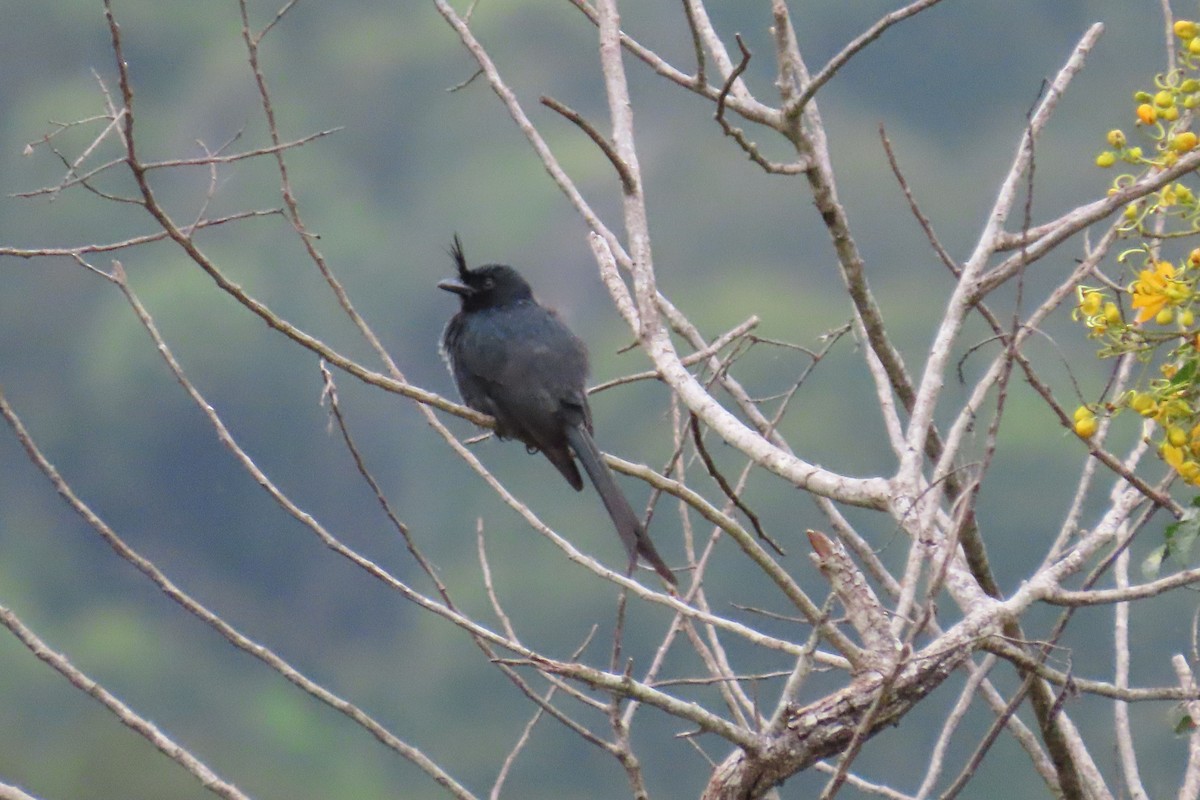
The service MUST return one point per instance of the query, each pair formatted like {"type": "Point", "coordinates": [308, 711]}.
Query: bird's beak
{"type": "Point", "coordinates": [457, 287]}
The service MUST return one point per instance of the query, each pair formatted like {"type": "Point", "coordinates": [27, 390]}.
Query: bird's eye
{"type": "Point", "coordinates": [488, 283]}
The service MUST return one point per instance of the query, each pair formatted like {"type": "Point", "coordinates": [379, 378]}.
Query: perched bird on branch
{"type": "Point", "coordinates": [515, 360]}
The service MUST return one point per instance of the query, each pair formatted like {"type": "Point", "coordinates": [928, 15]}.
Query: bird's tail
{"type": "Point", "coordinates": [629, 527]}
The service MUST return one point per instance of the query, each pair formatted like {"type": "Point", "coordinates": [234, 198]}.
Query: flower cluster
{"type": "Point", "coordinates": [1165, 117]}
{"type": "Point", "coordinates": [1153, 316]}
{"type": "Point", "coordinates": [1163, 298]}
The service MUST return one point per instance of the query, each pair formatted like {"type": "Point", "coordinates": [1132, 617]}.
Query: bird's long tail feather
{"type": "Point", "coordinates": [629, 527]}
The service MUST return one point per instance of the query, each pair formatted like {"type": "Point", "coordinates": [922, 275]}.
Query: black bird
{"type": "Point", "coordinates": [515, 360]}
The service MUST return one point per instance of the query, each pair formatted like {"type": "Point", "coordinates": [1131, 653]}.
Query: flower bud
{"type": "Point", "coordinates": [1086, 428]}
{"type": "Point", "coordinates": [1142, 403]}
{"type": "Point", "coordinates": [1183, 142]}
{"type": "Point", "coordinates": [1090, 303]}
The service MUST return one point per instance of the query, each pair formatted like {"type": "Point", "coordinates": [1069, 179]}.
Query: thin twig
{"type": "Point", "coordinates": [797, 104]}
{"type": "Point", "coordinates": [737, 134]}
{"type": "Point", "coordinates": [605, 146]}
{"type": "Point", "coordinates": [710, 465]}
{"type": "Point", "coordinates": [714, 347]}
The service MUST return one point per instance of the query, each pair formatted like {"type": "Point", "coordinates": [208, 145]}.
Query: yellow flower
{"type": "Point", "coordinates": [1143, 404]}
{"type": "Point", "coordinates": [1184, 142]}
{"type": "Point", "coordinates": [1186, 29]}
{"type": "Point", "coordinates": [1176, 458]}
{"type": "Point", "coordinates": [1151, 290]}
{"type": "Point", "coordinates": [1146, 114]}
{"type": "Point", "coordinates": [1091, 303]}
{"type": "Point", "coordinates": [1172, 455]}
{"type": "Point", "coordinates": [1176, 436]}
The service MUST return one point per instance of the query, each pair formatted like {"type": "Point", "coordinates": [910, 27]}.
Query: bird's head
{"type": "Point", "coordinates": [488, 286]}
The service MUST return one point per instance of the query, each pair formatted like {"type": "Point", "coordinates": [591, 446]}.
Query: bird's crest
{"type": "Point", "coordinates": [460, 260]}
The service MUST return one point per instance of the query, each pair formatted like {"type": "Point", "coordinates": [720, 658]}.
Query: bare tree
{"type": "Point", "coordinates": [884, 636]}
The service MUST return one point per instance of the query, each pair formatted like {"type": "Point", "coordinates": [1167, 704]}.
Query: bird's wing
{"type": "Point", "coordinates": [526, 358]}
{"type": "Point", "coordinates": [525, 368]}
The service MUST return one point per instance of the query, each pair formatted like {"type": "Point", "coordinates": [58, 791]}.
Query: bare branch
{"type": "Point", "coordinates": [738, 135]}
{"type": "Point", "coordinates": [9, 792]}
{"type": "Point", "coordinates": [234, 637]}
{"type": "Point", "coordinates": [128, 717]}
{"type": "Point", "coordinates": [605, 147]}
{"type": "Point", "coordinates": [796, 104]}
{"type": "Point", "coordinates": [1187, 682]}
{"type": "Point", "coordinates": [869, 492]}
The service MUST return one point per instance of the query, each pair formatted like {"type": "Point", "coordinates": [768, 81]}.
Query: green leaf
{"type": "Point", "coordinates": [1182, 535]}
{"type": "Point", "coordinates": [1153, 562]}
{"type": "Point", "coordinates": [1185, 375]}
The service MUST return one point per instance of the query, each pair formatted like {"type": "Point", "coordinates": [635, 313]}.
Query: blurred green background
{"type": "Point", "coordinates": [413, 164]}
